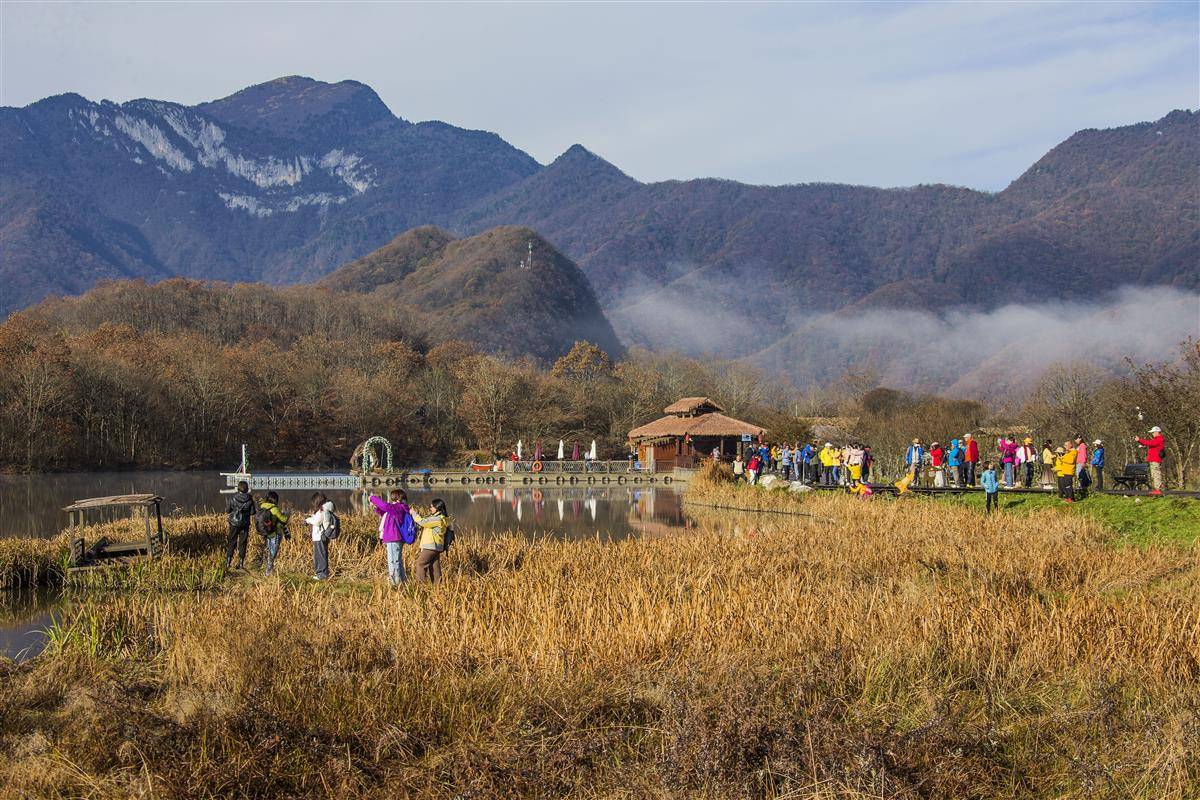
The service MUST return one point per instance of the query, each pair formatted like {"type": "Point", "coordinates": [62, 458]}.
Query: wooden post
{"type": "Point", "coordinates": [149, 538]}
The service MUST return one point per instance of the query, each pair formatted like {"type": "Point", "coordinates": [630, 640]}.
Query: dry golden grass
{"type": "Point", "coordinates": [877, 649]}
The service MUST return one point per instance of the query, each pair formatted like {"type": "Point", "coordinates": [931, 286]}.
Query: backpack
{"type": "Point", "coordinates": [239, 513]}
{"type": "Point", "coordinates": [335, 527]}
{"type": "Point", "coordinates": [408, 530]}
{"type": "Point", "coordinates": [265, 523]}
{"type": "Point", "coordinates": [447, 540]}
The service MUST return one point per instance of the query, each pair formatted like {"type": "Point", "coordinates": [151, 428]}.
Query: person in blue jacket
{"type": "Point", "coordinates": [913, 457]}
{"type": "Point", "coordinates": [1098, 463]}
{"type": "Point", "coordinates": [991, 487]}
{"type": "Point", "coordinates": [807, 454]}
{"type": "Point", "coordinates": [954, 459]}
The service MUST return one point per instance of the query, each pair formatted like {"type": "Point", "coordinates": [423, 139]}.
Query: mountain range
{"type": "Point", "coordinates": [287, 181]}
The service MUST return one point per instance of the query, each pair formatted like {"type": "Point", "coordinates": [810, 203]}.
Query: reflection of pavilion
{"type": "Point", "coordinates": [570, 511]}
{"type": "Point", "coordinates": [693, 427]}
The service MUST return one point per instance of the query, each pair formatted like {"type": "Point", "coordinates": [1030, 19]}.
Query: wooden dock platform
{"type": "Point", "coordinates": [513, 474]}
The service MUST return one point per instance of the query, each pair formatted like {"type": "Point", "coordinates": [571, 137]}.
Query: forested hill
{"type": "Point", "coordinates": [505, 290]}
{"type": "Point", "coordinates": [286, 181]}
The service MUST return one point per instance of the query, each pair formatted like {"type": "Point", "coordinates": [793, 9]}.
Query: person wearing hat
{"type": "Point", "coordinates": [1064, 468]}
{"type": "Point", "coordinates": [1155, 447]}
{"type": "Point", "coordinates": [954, 460]}
{"type": "Point", "coordinates": [828, 458]}
{"type": "Point", "coordinates": [1098, 463]}
{"type": "Point", "coordinates": [912, 461]}
{"type": "Point", "coordinates": [937, 460]}
{"type": "Point", "coordinates": [1026, 458]}
{"type": "Point", "coordinates": [970, 459]}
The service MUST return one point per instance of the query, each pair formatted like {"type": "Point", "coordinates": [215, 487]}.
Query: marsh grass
{"type": "Point", "coordinates": [30, 563]}
{"type": "Point", "coordinates": [876, 649]}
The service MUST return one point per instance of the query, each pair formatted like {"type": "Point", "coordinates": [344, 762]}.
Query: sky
{"type": "Point", "coordinates": [892, 94]}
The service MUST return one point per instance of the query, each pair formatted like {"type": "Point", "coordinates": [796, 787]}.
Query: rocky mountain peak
{"type": "Point", "coordinates": [297, 107]}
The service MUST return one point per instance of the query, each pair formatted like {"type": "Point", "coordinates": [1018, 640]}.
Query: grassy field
{"type": "Point", "coordinates": [1132, 520]}
{"type": "Point", "coordinates": [897, 648]}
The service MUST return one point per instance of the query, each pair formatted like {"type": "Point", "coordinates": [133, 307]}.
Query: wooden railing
{"type": "Point", "coordinates": [554, 467]}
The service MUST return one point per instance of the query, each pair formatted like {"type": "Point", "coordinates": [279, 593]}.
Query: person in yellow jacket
{"type": "Point", "coordinates": [436, 534]}
{"type": "Point", "coordinates": [829, 459]}
{"type": "Point", "coordinates": [1064, 468]}
{"type": "Point", "coordinates": [272, 524]}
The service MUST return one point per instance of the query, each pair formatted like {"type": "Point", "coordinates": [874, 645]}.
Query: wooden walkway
{"type": "Point", "coordinates": [551, 473]}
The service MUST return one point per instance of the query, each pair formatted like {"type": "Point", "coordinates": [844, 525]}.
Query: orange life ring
{"type": "Point", "coordinates": [537, 466]}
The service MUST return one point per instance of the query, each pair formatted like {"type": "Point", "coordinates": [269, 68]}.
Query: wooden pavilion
{"type": "Point", "coordinates": [104, 552]}
{"type": "Point", "coordinates": [692, 427]}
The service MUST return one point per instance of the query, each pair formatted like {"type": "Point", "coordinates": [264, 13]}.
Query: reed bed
{"type": "Point", "coordinates": [30, 563]}
{"type": "Point", "coordinates": [874, 649]}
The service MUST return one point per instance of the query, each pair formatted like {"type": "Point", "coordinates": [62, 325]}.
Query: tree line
{"type": "Point", "coordinates": [181, 373]}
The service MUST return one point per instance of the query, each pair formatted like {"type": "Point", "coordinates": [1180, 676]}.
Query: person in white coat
{"type": "Point", "coordinates": [321, 523]}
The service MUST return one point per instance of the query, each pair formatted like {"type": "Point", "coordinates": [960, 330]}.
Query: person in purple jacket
{"type": "Point", "coordinates": [1008, 457]}
{"type": "Point", "coordinates": [394, 520]}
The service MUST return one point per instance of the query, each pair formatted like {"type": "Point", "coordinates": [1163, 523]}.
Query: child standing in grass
{"type": "Point", "coordinates": [271, 523]}
{"type": "Point", "coordinates": [991, 487]}
{"type": "Point", "coordinates": [323, 525]}
{"type": "Point", "coordinates": [394, 522]}
{"type": "Point", "coordinates": [433, 541]}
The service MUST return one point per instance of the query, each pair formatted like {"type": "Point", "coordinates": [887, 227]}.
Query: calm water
{"type": "Point", "coordinates": [31, 505]}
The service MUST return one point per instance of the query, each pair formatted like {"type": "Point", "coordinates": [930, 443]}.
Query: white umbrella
{"type": "Point", "coordinates": [560, 449]}
{"type": "Point", "coordinates": [592, 453]}
{"type": "Point", "coordinates": [518, 449]}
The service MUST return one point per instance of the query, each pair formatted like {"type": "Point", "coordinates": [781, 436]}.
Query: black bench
{"type": "Point", "coordinates": [1132, 477]}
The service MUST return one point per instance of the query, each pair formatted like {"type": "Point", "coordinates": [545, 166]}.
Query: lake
{"type": "Point", "coordinates": [31, 505]}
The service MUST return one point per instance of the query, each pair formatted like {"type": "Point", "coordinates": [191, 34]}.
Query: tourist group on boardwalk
{"type": "Point", "coordinates": [1072, 467]}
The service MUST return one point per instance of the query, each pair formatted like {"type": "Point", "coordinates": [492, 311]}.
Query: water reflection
{"type": "Point", "coordinates": [31, 505]}
{"type": "Point", "coordinates": [24, 617]}
{"type": "Point", "coordinates": [572, 513]}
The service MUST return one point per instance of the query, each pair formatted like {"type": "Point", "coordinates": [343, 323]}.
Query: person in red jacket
{"type": "Point", "coordinates": [1154, 455]}
{"type": "Point", "coordinates": [970, 459]}
{"type": "Point", "coordinates": [937, 460]}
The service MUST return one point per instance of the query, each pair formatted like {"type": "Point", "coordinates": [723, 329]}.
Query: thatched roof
{"type": "Point", "coordinates": [712, 424]}
{"type": "Point", "coordinates": [690, 405]}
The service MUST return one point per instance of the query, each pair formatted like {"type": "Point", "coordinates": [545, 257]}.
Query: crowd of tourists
{"type": "Point", "coordinates": [400, 523]}
{"type": "Point", "coordinates": [1072, 467]}
{"type": "Point", "coordinates": [809, 463]}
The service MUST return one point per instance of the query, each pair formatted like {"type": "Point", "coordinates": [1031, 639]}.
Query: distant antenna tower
{"type": "Point", "coordinates": [530, 260]}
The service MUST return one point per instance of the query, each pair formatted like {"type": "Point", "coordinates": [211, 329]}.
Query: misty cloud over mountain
{"type": "Point", "coordinates": [996, 355]}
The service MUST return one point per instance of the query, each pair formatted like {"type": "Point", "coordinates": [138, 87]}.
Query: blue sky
{"type": "Point", "coordinates": [881, 94]}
